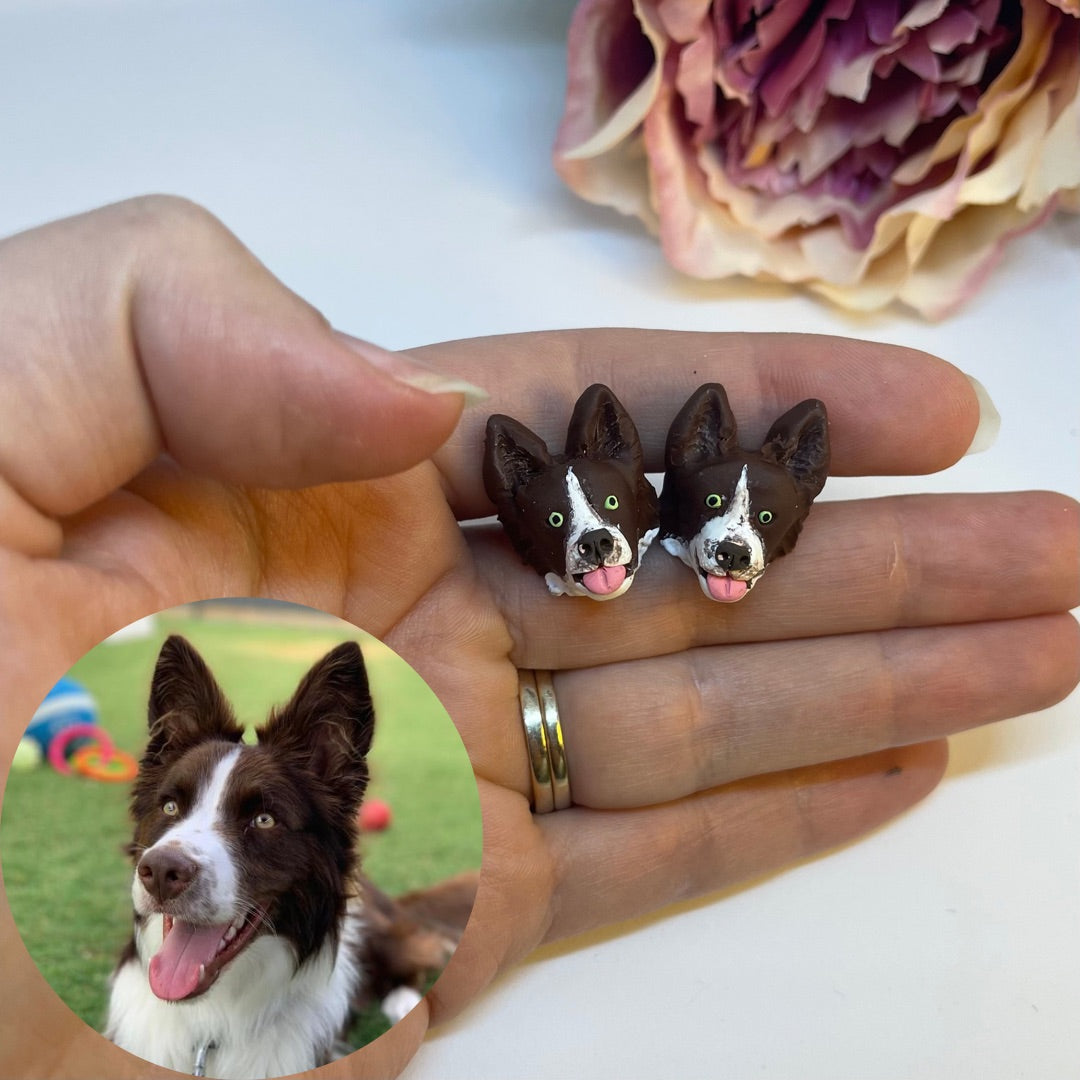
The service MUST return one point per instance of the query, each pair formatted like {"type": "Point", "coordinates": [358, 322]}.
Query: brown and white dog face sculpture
{"type": "Point", "coordinates": [582, 519]}
{"type": "Point", "coordinates": [727, 512]}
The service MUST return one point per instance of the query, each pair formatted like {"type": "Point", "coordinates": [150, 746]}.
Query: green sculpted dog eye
{"type": "Point", "coordinates": [765, 516]}
{"type": "Point", "coordinates": [714, 501]}
{"type": "Point", "coordinates": [611, 503]}
{"type": "Point", "coordinates": [555, 519]}
{"type": "Point", "coordinates": [170, 809]}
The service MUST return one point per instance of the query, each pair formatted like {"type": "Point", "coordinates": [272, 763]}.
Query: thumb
{"type": "Point", "coordinates": [147, 327]}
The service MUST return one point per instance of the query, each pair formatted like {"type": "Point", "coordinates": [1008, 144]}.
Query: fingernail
{"type": "Point", "coordinates": [989, 420]}
{"type": "Point", "coordinates": [412, 372]}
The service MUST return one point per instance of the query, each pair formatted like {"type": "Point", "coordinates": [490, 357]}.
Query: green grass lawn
{"type": "Point", "coordinates": [61, 837]}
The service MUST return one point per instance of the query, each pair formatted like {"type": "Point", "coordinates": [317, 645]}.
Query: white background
{"type": "Point", "coordinates": [390, 160]}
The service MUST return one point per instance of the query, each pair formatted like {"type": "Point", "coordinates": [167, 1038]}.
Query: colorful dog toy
{"type": "Point", "coordinates": [99, 761]}
{"type": "Point", "coordinates": [582, 519]}
{"type": "Point", "coordinates": [115, 767]}
{"type": "Point", "coordinates": [66, 704]}
{"type": "Point", "coordinates": [64, 729]}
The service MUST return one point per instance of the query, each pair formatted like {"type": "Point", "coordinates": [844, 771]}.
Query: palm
{"type": "Point", "coordinates": [724, 743]}
{"type": "Point", "coordinates": [390, 556]}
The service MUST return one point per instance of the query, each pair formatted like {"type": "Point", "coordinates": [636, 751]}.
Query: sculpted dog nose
{"type": "Point", "coordinates": [596, 546]}
{"type": "Point", "coordinates": [166, 873]}
{"type": "Point", "coordinates": [732, 555]}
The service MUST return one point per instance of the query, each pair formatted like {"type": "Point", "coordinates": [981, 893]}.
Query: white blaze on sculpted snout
{"type": "Point", "coordinates": [212, 897]}
{"type": "Point", "coordinates": [735, 524]}
{"type": "Point", "coordinates": [581, 519]}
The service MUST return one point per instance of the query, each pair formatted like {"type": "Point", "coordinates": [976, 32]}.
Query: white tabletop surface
{"type": "Point", "coordinates": [390, 160]}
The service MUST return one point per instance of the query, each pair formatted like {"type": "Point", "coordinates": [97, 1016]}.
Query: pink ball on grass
{"type": "Point", "coordinates": [374, 815]}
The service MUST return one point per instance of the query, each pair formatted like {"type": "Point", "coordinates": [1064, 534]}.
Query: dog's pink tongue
{"type": "Point", "coordinates": [604, 580]}
{"type": "Point", "coordinates": [725, 589]}
{"type": "Point", "coordinates": [174, 968]}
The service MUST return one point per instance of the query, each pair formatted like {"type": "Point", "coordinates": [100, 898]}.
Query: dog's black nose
{"type": "Point", "coordinates": [733, 555]}
{"type": "Point", "coordinates": [596, 546]}
{"type": "Point", "coordinates": [165, 873]}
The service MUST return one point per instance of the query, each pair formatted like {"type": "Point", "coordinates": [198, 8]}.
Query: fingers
{"type": "Point", "coordinates": [620, 864]}
{"type": "Point", "coordinates": [512, 913]}
{"type": "Point", "coordinates": [651, 731]}
{"type": "Point", "coordinates": [384, 1058]}
{"type": "Point", "coordinates": [891, 409]}
{"type": "Point", "coordinates": [558, 874]}
{"type": "Point", "coordinates": [860, 566]}
{"type": "Point", "coordinates": [147, 326]}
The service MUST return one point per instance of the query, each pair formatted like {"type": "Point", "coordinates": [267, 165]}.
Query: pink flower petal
{"type": "Point", "coordinates": [609, 59]}
{"type": "Point", "coordinates": [918, 57]}
{"type": "Point", "coordinates": [957, 26]}
{"type": "Point", "coordinates": [594, 153]}
{"type": "Point", "coordinates": [695, 81]}
{"type": "Point", "coordinates": [876, 150]}
{"type": "Point", "coordinates": [685, 20]}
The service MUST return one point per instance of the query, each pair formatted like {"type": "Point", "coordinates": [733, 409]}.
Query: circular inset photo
{"type": "Point", "coordinates": [241, 838]}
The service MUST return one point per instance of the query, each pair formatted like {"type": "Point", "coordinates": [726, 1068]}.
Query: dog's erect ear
{"type": "Point", "coordinates": [703, 432]}
{"type": "Point", "coordinates": [186, 703]}
{"type": "Point", "coordinates": [327, 726]}
{"type": "Point", "coordinates": [513, 455]}
{"type": "Point", "coordinates": [601, 429]}
{"type": "Point", "coordinates": [186, 707]}
{"type": "Point", "coordinates": [799, 441]}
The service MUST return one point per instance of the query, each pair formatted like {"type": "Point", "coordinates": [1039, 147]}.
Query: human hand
{"type": "Point", "coordinates": [163, 395]}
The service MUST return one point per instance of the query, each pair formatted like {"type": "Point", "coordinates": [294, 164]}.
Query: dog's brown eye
{"type": "Point", "coordinates": [263, 821]}
{"type": "Point", "coordinates": [714, 501]}
{"type": "Point", "coordinates": [555, 519]}
{"type": "Point", "coordinates": [764, 516]}
{"type": "Point", "coordinates": [611, 503]}
{"type": "Point", "coordinates": [170, 808]}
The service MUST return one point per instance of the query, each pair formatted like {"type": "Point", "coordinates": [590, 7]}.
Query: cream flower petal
{"type": "Point", "coordinates": [873, 156]}
{"type": "Point", "coordinates": [964, 252]}
{"type": "Point", "coordinates": [597, 152]}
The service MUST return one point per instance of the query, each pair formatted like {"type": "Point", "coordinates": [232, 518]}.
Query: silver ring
{"type": "Point", "coordinates": [544, 741]}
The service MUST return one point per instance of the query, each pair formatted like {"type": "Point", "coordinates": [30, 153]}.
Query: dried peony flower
{"type": "Point", "coordinates": [874, 151]}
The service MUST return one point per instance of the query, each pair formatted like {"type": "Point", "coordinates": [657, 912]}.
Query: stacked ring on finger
{"type": "Point", "coordinates": [544, 740]}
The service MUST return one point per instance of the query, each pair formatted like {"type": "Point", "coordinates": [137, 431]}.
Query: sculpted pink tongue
{"type": "Point", "coordinates": [725, 589]}
{"type": "Point", "coordinates": [174, 969]}
{"type": "Point", "coordinates": [604, 580]}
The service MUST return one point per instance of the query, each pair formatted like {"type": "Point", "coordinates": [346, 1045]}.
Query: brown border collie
{"type": "Point", "coordinates": [254, 936]}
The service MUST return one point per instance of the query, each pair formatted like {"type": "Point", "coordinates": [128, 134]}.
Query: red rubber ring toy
{"type": "Point", "coordinates": [63, 739]}
{"type": "Point", "coordinates": [118, 769]}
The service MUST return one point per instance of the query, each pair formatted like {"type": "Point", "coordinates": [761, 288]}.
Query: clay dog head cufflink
{"type": "Point", "coordinates": [582, 519]}
{"type": "Point", "coordinates": [727, 512]}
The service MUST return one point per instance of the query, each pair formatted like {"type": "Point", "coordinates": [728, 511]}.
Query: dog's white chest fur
{"type": "Point", "coordinates": [263, 1016]}
{"type": "Point", "coordinates": [266, 1017]}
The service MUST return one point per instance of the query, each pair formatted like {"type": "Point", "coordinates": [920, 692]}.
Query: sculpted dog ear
{"type": "Point", "coordinates": [186, 703]}
{"type": "Point", "coordinates": [799, 441]}
{"type": "Point", "coordinates": [513, 455]}
{"type": "Point", "coordinates": [327, 726]}
{"type": "Point", "coordinates": [704, 430]}
{"type": "Point", "coordinates": [601, 429]}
